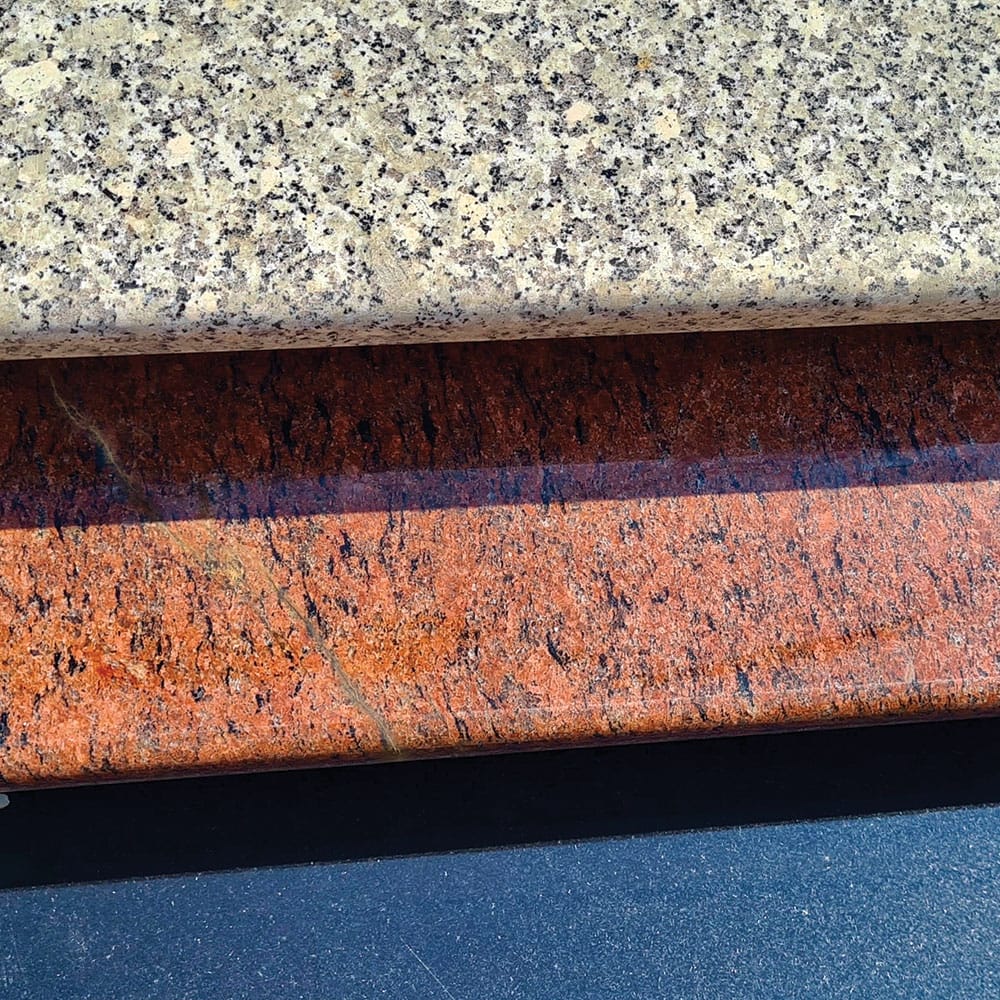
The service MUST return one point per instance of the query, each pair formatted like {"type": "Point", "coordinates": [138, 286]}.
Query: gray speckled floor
{"type": "Point", "coordinates": [187, 174]}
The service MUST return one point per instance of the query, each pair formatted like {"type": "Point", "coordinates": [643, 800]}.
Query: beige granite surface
{"type": "Point", "coordinates": [184, 175]}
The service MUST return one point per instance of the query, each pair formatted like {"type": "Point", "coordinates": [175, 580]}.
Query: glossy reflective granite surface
{"type": "Point", "coordinates": [263, 560]}
{"type": "Point", "coordinates": [876, 907]}
{"type": "Point", "coordinates": [825, 864]}
{"type": "Point", "coordinates": [179, 175]}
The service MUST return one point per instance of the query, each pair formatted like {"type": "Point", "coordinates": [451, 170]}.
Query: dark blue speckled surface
{"type": "Point", "coordinates": [903, 904]}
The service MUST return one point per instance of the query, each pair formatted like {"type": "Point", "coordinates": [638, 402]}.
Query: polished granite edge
{"type": "Point", "coordinates": [261, 560]}
{"type": "Point", "coordinates": [110, 341]}
{"type": "Point", "coordinates": [222, 175]}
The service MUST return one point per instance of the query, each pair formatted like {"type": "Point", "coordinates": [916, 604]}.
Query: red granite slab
{"type": "Point", "coordinates": [219, 562]}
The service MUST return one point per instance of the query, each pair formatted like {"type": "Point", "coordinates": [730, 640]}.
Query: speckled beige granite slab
{"type": "Point", "coordinates": [185, 175]}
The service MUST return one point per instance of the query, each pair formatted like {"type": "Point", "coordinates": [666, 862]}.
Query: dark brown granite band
{"type": "Point", "coordinates": [270, 560]}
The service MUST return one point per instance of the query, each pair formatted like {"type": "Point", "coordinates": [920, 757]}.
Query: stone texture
{"type": "Point", "coordinates": [285, 559]}
{"type": "Point", "coordinates": [189, 175]}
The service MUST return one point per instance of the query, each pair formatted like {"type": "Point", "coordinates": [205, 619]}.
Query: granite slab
{"type": "Point", "coordinates": [245, 561]}
{"type": "Point", "coordinates": [193, 175]}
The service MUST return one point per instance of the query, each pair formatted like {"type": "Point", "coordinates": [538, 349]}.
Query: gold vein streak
{"type": "Point", "coordinates": [229, 565]}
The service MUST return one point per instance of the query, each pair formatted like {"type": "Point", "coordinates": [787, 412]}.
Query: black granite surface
{"type": "Point", "coordinates": [857, 863]}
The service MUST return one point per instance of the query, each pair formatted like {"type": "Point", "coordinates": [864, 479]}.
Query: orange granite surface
{"type": "Point", "coordinates": [225, 562]}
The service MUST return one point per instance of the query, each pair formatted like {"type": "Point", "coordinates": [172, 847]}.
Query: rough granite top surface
{"type": "Point", "coordinates": [197, 175]}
